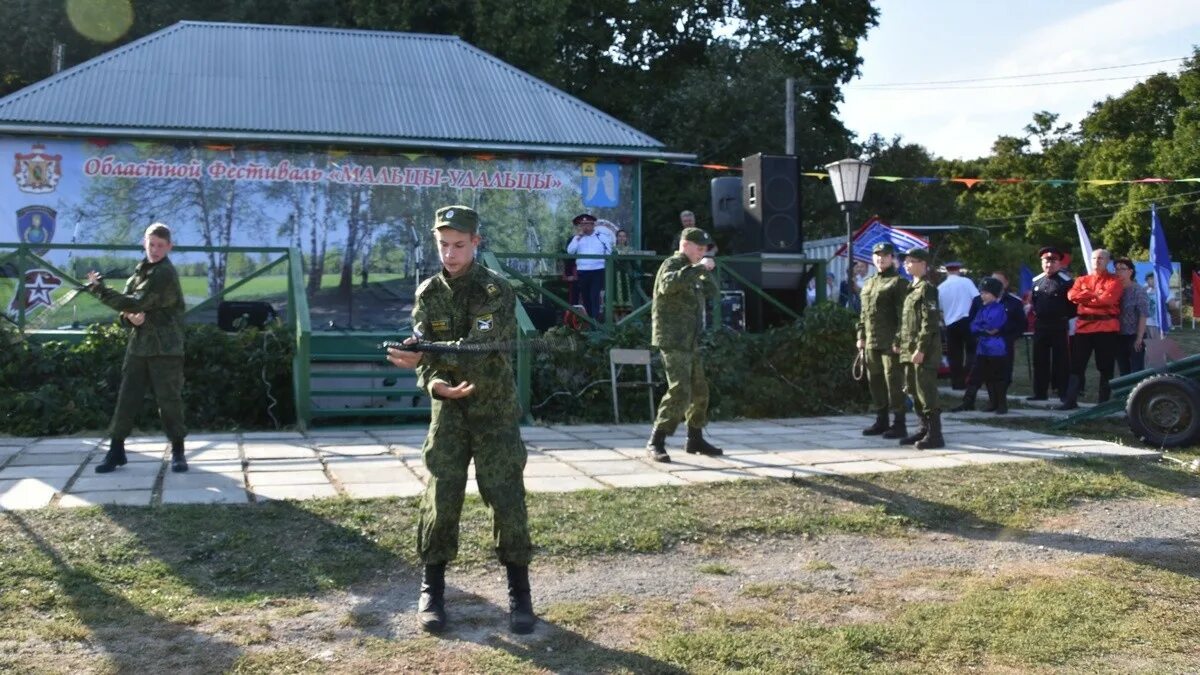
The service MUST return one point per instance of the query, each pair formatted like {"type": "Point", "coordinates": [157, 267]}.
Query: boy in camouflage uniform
{"type": "Point", "coordinates": [878, 337]}
{"type": "Point", "coordinates": [921, 350]}
{"type": "Point", "coordinates": [475, 416]}
{"type": "Point", "coordinates": [683, 282]}
{"type": "Point", "coordinates": [152, 307]}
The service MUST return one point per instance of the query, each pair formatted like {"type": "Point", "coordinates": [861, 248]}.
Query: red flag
{"type": "Point", "coordinates": [1195, 293]}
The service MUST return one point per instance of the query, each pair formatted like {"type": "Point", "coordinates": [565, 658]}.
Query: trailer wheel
{"type": "Point", "coordinates": [1164, 411]}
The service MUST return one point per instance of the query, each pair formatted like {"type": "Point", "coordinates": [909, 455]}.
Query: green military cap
{"type": "Point", "coordinates": [884, 248]}
{"type": "Point", "coordinates": [697, 236]}
{"type": "Point", "coordinates": [457, 217]}
{"type": "Point", "coordinates": [917, 253]}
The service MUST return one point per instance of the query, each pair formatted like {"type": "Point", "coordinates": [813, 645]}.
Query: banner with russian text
{"type": "Point", "coordinates": [361, 218]}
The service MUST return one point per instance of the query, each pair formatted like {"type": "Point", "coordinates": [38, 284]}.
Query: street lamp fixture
{"type": "Point", "coordinates": [849, 180]}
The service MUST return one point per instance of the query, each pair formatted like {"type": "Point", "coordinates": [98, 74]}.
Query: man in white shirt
{"type": "Point", "coordinates": [589, 241]}
{"type": "Point", "coordinates": [1153, 331]}
{"type": "Point", "coordinates": [955, 295]}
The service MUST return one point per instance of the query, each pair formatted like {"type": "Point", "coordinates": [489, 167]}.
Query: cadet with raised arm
{"type": "Point", "coordinates": [683, 283]}
{"type": "Point", "coordinates": [152, 307]}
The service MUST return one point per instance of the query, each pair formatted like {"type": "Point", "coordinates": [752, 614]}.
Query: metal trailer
{"type": "Point", "coordinates": [1161, 404]}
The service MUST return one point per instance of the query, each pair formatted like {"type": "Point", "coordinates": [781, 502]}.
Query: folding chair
{"type": "Point", "coordinates": [619, 358]}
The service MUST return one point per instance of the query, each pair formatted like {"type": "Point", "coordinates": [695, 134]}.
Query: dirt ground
{"type": "Point", "coordinates": [1165, 535]}
{"type": "Point", "coordinates": [855, 579]}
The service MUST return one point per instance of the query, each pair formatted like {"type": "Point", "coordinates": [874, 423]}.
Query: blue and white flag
{"type": "Point", "coordinates": [1160, 257]}
{"type": "Point", "coordinates": [875, 231]}
{"type": "Point", "coordinates": [1085, 244]}
{"type": "Point", "coordinates": [1026, 281]}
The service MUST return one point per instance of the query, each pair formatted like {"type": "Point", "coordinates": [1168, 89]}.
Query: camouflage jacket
{"type": "Point", "coordinates": [476, 308]}
{"type": "Point", "coordinates": [920, 325]}
{"type": "Point", "coordinates": [679, 292]}
{"type": "Point", "coordinates": [882, 302]}
{"type": "Point", "coordinates": [153, 289]}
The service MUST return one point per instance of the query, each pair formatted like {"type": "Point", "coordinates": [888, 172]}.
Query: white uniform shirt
{"type": "Point", "coordinates": [955, 295]}
{"type": "Point", "coordinates": [591, 244]}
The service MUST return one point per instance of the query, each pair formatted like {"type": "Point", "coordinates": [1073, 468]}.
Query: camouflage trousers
{"type": "Point", "coordinates": [687, 392]}
{"type": "Point", "coordinates": [920, 381]}
{"type": "Point", "coordinates": [163, 374]}
{"type": "Point", "coordinates": [455, 438]}
{"type": "Point", "coordinates": [886, 381]}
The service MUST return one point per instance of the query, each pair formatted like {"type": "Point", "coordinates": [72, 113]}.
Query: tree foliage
{"type": "Point", "coordinates": [707, 77]}
{"type": "Point", "coordinates": [703, 76]}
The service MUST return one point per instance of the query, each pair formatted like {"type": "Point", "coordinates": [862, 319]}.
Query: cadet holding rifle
{"type": "Point", "coordinates": [475, 416]}
{"type": "Point", "coordinates": [152, 307]}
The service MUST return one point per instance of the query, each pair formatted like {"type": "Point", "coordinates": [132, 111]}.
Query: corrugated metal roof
{"type": "Point", "coordinates": [219, 80]}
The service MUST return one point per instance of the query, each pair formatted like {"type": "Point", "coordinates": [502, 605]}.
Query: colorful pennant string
{"type": "Point", "coordinates": [968, 182]}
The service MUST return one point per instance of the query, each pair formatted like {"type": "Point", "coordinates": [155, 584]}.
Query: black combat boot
{"type": "Point", "coordinates": [992, 402]}
{"type": "Point", "coordinates": [898, 429]}
{"type": "Point", "coordinates": [1001, 398]}
{"type": "Point", "coordinates": [933, 439]}
{"type": "Point", "coordinates": [1071, 395]}
{"type": "Point", "coordinates": [968, 400]}
{"type": "Point", "coordinates": [521, 618]}
{"type": "Point", "coordinates": [178, 463]}
{"type": "Point", "coordinates": [431, 608]}
{"type": "Point", "coordinates": [114, 457]}
{"type": "Point", "coordinates": [656, 447]}
{"type": "Point", "coordinates": [922, 430]}
{"type": "Point", "coordinates": [696, 445]}
{"type": "Point", "coordinates": [880, 426]}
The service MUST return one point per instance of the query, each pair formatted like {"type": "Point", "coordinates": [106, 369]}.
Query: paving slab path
{"type": "Point", "coordinates": [241, 468]}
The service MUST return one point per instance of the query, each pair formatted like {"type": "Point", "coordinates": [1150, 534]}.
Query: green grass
{"type": "Point", "coordinates": [716, 568]}
{"type": "Point", "coordinates": [67, 576]}
{"type": "Point", "coordinates": [1078, 618]}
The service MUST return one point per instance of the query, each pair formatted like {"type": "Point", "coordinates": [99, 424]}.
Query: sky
{"type": "Point", "coordinates": [922, 41]}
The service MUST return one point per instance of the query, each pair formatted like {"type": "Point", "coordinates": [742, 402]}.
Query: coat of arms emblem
{"type": "Point", "coordinates": [35, 226]}
{"type": "Point", "coordinates": [37, 172]}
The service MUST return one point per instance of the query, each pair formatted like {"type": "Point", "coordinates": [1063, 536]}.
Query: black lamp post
{"type": "Point", "coordinates": [849, 180]}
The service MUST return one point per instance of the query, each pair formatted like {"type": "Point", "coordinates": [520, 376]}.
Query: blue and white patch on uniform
{"type": "Point", "coordinates": [484, 323]}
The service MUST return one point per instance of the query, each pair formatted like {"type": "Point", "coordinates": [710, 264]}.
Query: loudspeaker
{"type": "Point", "coordinates": [771, 201]}
{"type": "Point", "coordinates": [234, 315]}
{"type": "Point", "coordinates": [543, 316]}
{"type": "Point", "coordinates": [727, 213]}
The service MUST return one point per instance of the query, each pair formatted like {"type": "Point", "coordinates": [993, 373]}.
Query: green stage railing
{"type": "Point", "coordinates": [25, 258]}
{"type": "Point", "coordinates": [725, 265]}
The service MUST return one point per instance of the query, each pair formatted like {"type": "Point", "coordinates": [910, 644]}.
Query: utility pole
{"type": "Point", "coordinates": [57, 53]}
{"type": "Point", "coordinates": [789, 112]}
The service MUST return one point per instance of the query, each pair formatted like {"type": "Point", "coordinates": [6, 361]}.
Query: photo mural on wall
{"type": "Point", "coordinates": [351, 214]}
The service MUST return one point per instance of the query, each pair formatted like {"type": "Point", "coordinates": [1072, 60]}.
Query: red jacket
{"type": "Point", "coordinates": [1097, 299]}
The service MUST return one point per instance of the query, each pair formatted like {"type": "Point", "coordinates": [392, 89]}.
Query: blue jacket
{"type": "Point", "coordinates": [990, 317]}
